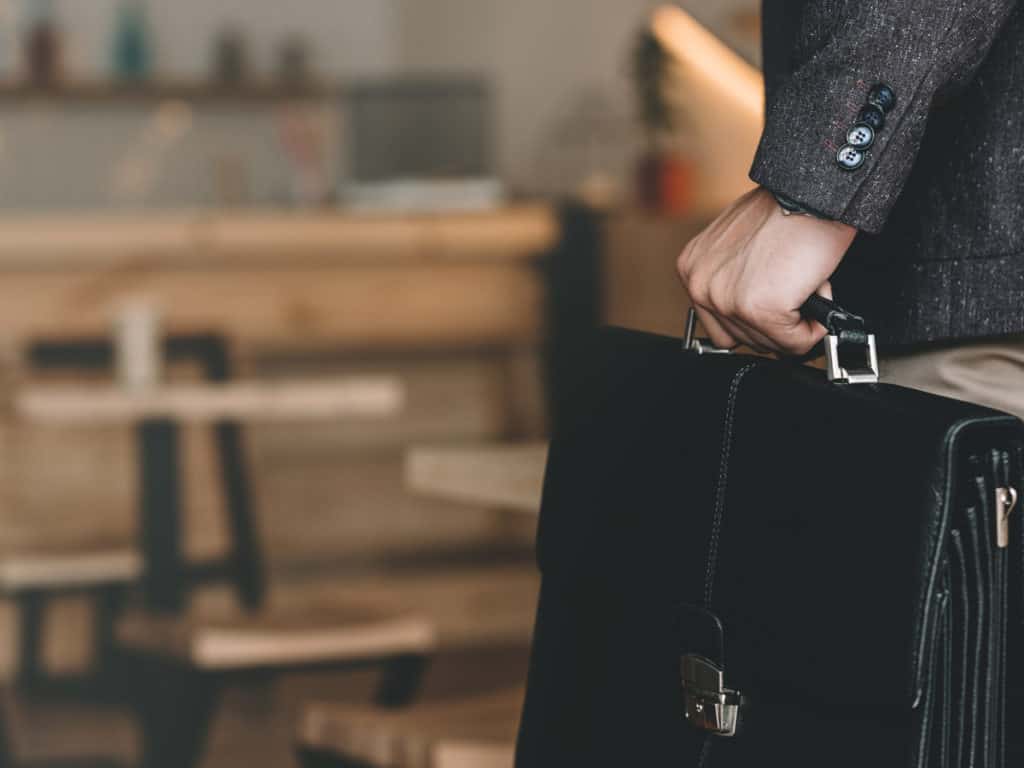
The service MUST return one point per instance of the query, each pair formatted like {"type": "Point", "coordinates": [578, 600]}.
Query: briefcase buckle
{"type": "Point", "coordinates": [865, 372]}
{"type": "Point", "coordinates": [709, 705]}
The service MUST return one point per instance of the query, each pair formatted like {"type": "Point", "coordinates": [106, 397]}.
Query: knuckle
{"type": "Point", "coordinates": [683, 263]}
{"type": "Point", "coordinates": [697, 287]}
{"type": "Point", "coordinates": [721, 297]}
{"type": "Point", "coordinates": [760, 302]}
{"type": "Point", "coordinates": [747, 311]}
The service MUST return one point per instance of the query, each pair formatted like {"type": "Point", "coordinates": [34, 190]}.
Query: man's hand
{"type": "Point", "coordinates": [752, 268]}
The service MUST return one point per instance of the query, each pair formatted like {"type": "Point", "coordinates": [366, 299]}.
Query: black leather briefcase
{"type": "Point", "coordinates": [747, 564]}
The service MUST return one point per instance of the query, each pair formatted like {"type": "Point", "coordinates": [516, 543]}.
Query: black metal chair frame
{"type": "Point", "coordinates": [175, 700]}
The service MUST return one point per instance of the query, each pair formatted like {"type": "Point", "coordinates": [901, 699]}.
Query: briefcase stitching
{"type": "Point", "coordinates": [723, 474]}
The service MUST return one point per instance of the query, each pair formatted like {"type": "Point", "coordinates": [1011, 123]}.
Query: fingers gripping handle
{"type": "Point", "coordinates": [849, 349]}
{"type": "Point", "coordinates": [836, 319]}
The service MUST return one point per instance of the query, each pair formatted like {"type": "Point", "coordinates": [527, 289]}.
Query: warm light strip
{"type": "Point", "coordinates": [697, 48]}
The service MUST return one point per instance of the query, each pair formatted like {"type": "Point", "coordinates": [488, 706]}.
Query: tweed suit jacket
{"type": "Point", "coordinates": [938, 195]}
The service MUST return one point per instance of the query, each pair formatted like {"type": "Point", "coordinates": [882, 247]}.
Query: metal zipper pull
{"type": "Point", "coordinates": [1006, 500]}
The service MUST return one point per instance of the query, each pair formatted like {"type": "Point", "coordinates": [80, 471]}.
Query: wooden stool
{"type": "Point", "coordinates": [473, 732]}
{"type": "Point", "coordinates": [183, 664]}
{"type": "Point", "coordinates": [73, 727]}
{"type": "Point", "coordinates": [31, 579]}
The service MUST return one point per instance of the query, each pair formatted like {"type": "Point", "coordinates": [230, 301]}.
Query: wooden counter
{"type": "Point", "coordinates": [350, 280]}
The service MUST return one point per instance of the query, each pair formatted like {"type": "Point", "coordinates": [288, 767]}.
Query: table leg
{"type": "Point", "coordinates": [31, 610]}
{"type": "Point", "coordinates": [246, 558]}
{"type": "Point", "coordinates": [163, 581]}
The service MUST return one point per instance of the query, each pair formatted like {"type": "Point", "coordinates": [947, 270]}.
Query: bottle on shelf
{"type": "Point", "coordinates": [43, 48]}
{"type": "Point", "coordinates": [9, 53]}
{"type": "Point", "coordinates": [132, 55]}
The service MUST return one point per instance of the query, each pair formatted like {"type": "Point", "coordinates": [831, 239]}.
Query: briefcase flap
{"type": "Point", "coordinates": [810, 517]}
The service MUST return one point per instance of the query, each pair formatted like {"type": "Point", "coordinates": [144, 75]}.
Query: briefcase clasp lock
{"type": "Point", "coordinates": [709, 705]}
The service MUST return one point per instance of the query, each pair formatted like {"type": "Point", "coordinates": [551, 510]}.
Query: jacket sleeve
{"type": "Point", "coordinates": [918, 48]}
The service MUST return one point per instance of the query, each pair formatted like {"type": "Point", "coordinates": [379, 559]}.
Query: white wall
{"type": "Point", "coordinates": [560, 71]}
{"type": "Point", "coordinates": [561, 77]}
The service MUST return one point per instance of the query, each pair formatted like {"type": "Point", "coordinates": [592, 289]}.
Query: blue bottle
{"type": "Point", "coordinates": [131, 42]}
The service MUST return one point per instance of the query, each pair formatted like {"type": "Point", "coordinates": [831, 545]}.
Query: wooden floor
{"type": "Point", "coordinates": [256, 725]}
{"type": "Point", "coordinates": [483, 617]}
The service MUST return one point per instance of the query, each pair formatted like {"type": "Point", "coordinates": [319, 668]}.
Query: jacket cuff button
{"type": "Point", "coordinates": [882, 96]}
{"type": "Point", "coordinates": [872, 116]}
{"type": "Point", "coordinates": [861, 136]}
{"type": "Point", "coordinates": [849, 158]}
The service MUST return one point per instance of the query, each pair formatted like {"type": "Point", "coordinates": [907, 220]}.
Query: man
{"type": "Point", "coordinates": [891, 168]}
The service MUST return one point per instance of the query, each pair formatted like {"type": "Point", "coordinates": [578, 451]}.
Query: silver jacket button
{"type": "Point", "coordinates": [861, 136]}
{"type": "Point", "coordinates": [849, 158]}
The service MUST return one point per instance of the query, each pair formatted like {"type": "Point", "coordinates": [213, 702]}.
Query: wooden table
{"type": "Point", "coordinates": [264, 278]}
{"type": "Point", "coordinates": [506, 476]}
{"type": "Point", "coordinates": [159, 413]}
{"type": "Point", "coordinates": [364, 397]}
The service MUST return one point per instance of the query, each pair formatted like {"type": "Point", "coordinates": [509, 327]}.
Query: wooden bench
{"type": "Point", "coordinates": [276, 637]}
{"type": "Point", "coordinates": [472, 732]}
{"type": "Point", "coordinates": [66, 570]}
{"type": "Point", "coordinates": [70, 729]}
{"type": "Point", "coordinates": [181, 666]}
{"type": "Point", "coordinates": [193, 660]}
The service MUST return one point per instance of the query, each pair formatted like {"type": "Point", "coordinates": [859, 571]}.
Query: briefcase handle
{"type": "Point", "coordinates": [850, 353]}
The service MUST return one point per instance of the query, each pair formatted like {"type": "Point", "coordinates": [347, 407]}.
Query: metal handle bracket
{"type": "Point", "coordinates": [699, 346]}
{"type": "Point", "coordinates": [866, 373]}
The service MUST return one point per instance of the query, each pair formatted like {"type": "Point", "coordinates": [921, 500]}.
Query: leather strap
{"type": "Point", "coordinates": [850, 328]}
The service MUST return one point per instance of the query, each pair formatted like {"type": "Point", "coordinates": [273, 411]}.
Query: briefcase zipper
{"type": "Point", "coordinates": [1006, 500]}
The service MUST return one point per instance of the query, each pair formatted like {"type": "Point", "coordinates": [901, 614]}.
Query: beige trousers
{"type": "Point", "coordinates": [989, 372]}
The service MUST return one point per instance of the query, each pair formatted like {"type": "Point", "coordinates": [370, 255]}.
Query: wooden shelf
{"type": "Point", "coordinates": [143, 92]}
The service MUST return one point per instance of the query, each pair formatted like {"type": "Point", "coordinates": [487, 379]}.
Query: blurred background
{"type": "Point", "coordinates": [290, 297]}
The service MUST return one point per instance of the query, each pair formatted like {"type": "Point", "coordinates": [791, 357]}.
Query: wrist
{"type": "Point", "coordinates": [791, 207]}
